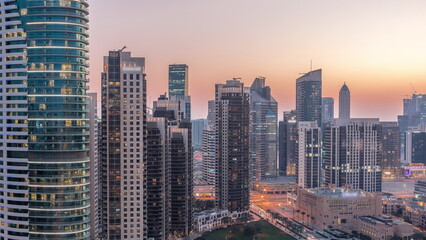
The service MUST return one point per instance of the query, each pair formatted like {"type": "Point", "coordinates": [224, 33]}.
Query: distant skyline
{"type": "Point", "coordinates": [376, 47]}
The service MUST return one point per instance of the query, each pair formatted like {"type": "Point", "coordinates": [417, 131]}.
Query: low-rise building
{"type": "Point", "coordinates": [209, 219]}
{"type": "Point", "coordinates": [392, 205]}
{"type": "Point", "coordinates": [383, 228]}
{"type": "Point", "coordinates": [415, 213]}
{"type": "Point", "coordinates": [279, 185]}
{"type": "Point", "coordinates": [336, 207]}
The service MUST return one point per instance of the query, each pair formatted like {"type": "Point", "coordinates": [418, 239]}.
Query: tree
{"type": "Point", "coordinates": [200, 238]}
{"type": "Point", "coordinates": [226, 220]}
{"type": "Point", "coordinates": [396, 238]}
{"type": "Point", "coordinates": [249, 231]}
{"type": "Point", "coordinates": [418, 236]}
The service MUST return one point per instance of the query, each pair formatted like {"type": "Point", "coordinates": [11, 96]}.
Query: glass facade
{"type": "Point", "coordinates": [178, 80]}
{"type": "Point", "coordinates": [58, 134]}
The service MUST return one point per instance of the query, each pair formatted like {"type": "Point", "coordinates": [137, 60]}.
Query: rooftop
{"type": "Point", "coordinates": [281, 179]}
{"type": "Point", "coordinates": [337, 192]}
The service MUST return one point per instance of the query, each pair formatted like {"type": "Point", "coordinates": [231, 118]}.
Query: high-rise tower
{"type": "Point", "coordinates": [327, 110]}
{"type": "Point", "coordinates": [344, 103]}
{"type": "Point", "coordinates": [309, 97]}
{"type": "Point", "coordinates": [232, 141]}
{"type": "Point", "coordinates": [288, 143]}
{"type": "Point", "coordinates": [353, 154]}
{"type": "Point", "coordinates": [45, 146]}
{"type": "Point", "coordinates": [123, 149]}
{"type": "Point", "coordinates": [309, 155]}
{"type": "Point", "coordinates": [263, 131]}
{"type": "Point", "coordinates": [178, 86]}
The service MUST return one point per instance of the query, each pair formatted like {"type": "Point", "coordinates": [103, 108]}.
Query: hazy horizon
{"type": "Point", "coordinates": [378, 48]}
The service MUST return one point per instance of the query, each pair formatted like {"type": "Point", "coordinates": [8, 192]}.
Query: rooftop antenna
{"type": "Point", "coordinates": [412, 88]}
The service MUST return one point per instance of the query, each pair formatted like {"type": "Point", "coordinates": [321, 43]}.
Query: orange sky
{"type": "Point", "coordinates": [377, 47]}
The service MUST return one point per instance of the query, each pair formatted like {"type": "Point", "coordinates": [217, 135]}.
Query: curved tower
{"type": "Point", "coordinates": [344, 102]}
{"type": "Point", "coordinates": [46, 58]}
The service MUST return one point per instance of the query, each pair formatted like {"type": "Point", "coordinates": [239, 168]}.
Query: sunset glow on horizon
{"type": "Point", "coordinates": [377, 47]}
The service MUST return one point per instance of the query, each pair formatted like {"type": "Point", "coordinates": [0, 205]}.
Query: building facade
{"type": "Point", "coordinates": [232, 141]}
{"type": "Point", "coordinates": [198, 126]}
{"type": "Point", "coordinates": [209, 155]}
{"type": "Point", "coordinates": [309, 155]}
{"type": "Point", "coordinates": [45, 158]}
{"type": "Point", "coordinates": [181, 164]}
{"type": "Point", "coordinates": [344, 103]}
{"type": "Point", "coordinates": [263, 131]}
{"type": "Point", "coordinates": [336, 207]}
{"type": "Point", "coordinates": [327, 110]}
{"type": "Point", "coordinates": [353, 154]}
{"type": "Point", "coordinates": [414, 114]}
{"type": "Point", "coordinates": [95, 171]}
{"type": "Point", "coordinates": [158, 179]}
{"type": "Point", "coordinates": [415, 145]}
{"type": "Point", "coordinates": [391, 151]}
{"type": "Point", "coordinates": [287, 144]}
{"type": "Point", "coordinates": [178, 86]}
{"type": "Point", "coordinates": [124, 149]}
{"type": "Point", "coordinates": [309, 97]}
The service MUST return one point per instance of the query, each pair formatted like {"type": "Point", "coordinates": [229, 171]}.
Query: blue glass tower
{"type": "Point", "coordinates": [44, 79]}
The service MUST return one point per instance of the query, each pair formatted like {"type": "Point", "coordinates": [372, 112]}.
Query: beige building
{"type": "Point", "coordinates": [383, 228]}
{"type": "Point", "coordinates": [336, 207]}
{"type": "Point", "coordinates": [209, 219]}
{"type": "Point", "coordinates": [415, 212]}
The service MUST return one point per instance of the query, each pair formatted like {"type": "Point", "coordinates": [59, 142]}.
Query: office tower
{"type": "Point", "coordinates": [288, 143]}
{"type": "Point", "coordinates": [178, 80]}
{"type": "Point", "coordinates": [416, 145]}
{"type": "Point", "coordinates": [344, 103]}
{"type": "Point", "coordinates": [414, 114]}
{"type": "Point", "coordinates": [197, 132]}
{"type": "Point", "coordinates": [232, 137]}
{"type": "Point", "coordinates": [45, 145]}
{"type": "Point", "coordinates": [158, 179]}
{"type": "Point", "coordinates": [327, 111]}
{"type": "Point", "coordinates": [209, 155]}
{"type": "Point", "coordinates": [353, 154]}
{"type": "Point", "coordinates": [211, 114]}
{"type": "Point", "coordinates": [95, 182]}
{"type": "Point", "coordinates": [181, 164]}
{"type": "Point", "coordinates": [181, 180]}
{"type": "Point", "coordinates": [123, 150]}
{"type": "Point", "coordinates": [309, 155]}
{"type": "Point", "coordinates": [391, 163]}
{"type": "Point", "coordinates": [309, 97]}
{"type": "Point", "coordinates": [263, 131]}
{"type": "Point", "coordinates": [178, 86]}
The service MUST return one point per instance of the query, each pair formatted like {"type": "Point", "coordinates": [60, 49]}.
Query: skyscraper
{"type": "Point", "coordinates": [344, 103]}
{"type": "Point", "coordinates": [178, 86]}
{"type": "Point", "coordinates": [353, 154]}
{"type": "Point", "coordinates": [124, 149]}
{"type": "Point", "coordinates": [209, 155]}
{"type": "Point", "coordinates": [178, 80]}
{"type": "Point", "coordinates": [391, 163]}
{"type": "Point", "coordinates": [416, 145]}
{"type": "Point", "coordinates": [263, 131]}
{"type": "Point", "coordinates": [414, 114]}
{"type": "Point", "coordinates": [95, 174]}
{"type": "Point", "coordinates": [158, 179]}
{"type": "Point", "coordinates": [181, 164]}
{"type": "Point", "coordinates": [309, 155]}
{"type": "Point", "coordinates": [198, 126]}
{"type": "Point", "coordinates": [232, 137]}
{"type": "Point", "coordinates": [46, 152]}
{"type": "Point", "coordinates": [327, 110]}
{"type": "Point", "coordinates": [309, 97]}
{"type": "Point", "coordinates": [288, 144]}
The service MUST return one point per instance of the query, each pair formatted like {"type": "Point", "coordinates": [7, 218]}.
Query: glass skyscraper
{"type": "Point", "coordinates": [45, 156]}
{"type": "Point", "coordinates": [178, 80]}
